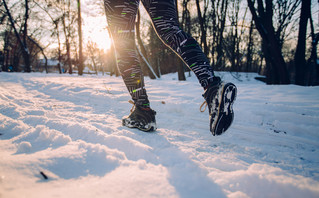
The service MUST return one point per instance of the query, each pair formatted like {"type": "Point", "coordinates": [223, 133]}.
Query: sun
{"type": "Point", "coordinates": [101, 38]}
{"type": "Point", "coordinates": [94, 29]}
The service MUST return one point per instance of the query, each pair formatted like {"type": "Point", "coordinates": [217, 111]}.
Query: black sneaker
{"type": "Point", "coordinates": [220, 98]}
{"type": "Point", "coordinates": [141, 118]}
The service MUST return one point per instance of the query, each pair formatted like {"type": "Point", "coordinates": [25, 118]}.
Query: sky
{"type": "Point", "coordinates": [94, 24]}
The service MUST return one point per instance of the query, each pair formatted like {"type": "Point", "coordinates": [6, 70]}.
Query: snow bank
{"type": "Point", "coordinates": [68, 128]}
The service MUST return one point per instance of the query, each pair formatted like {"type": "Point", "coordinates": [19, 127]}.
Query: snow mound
{"type": "Point", "coordinates": [61, 136]}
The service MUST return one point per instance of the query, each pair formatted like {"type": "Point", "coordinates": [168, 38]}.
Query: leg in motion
{"type": "Point", "coordinates": [121, 16]}
{"type": "Point", "coordinates": [218, 95]}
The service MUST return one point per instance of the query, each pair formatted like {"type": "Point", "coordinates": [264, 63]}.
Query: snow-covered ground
{"type": "Point", "coordinates": [69, 128]}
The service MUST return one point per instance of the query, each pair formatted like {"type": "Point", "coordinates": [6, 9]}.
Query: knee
{"type": "Point", "coordinates": [165, 28]}
{"type": "Point", "coordinates": [170, 33]}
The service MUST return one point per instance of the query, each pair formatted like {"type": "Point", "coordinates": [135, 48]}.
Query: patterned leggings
{"type": "Point", "coordinates": [121, 16]}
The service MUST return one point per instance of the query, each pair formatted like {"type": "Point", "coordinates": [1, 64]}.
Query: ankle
{"type": "Point", "coordinates": [145, 108]}
{"type": "Point", "coordinates": [214, 81]}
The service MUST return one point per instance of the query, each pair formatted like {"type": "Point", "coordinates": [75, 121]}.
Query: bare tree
{"type": "Point", "coordinates": [186, 18]}
{"type": "Point", "coordinates": [277, 72]}
{"type": "Point", "coordinates": [235, 35]}
{"type": "Point", "coordinates": [300, 55]}
{"type": "Point", "coordinates": [92, 48]}
{"type": "Point", "coordinates": [250, 47]}
{"type": "Point", "coordinates": [21, 38]}
{"type": "Point", "coordinates": [313, 71]}
{"type": "Point", "coordinates": [62, 19]}
{"type": "Point", "coordinates": [66, 20]}
{"type": "Point", "coordinates": [180, 64]}
{"type": "Point", "coordinates": [202, 18]}
{"type": "Point", "coordinates": [55, 32]}
{"type": "Point", "coordinates": [218, 15]}
{"type": "Point", "coordinates": [80, 66]}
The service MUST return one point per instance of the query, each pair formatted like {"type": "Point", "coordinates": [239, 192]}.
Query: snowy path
{"type": "Point", "coordinates": [69, 127]}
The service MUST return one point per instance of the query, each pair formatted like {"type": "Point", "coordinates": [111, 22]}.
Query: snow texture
{"type": "Point", "coordinates": [68, 128]}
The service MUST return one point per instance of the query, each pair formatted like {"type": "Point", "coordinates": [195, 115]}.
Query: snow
{"type": "Point", "coordinates": [69, 128]}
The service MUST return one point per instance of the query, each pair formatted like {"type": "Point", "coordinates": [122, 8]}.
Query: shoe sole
{"type": "Point", "coordinates": [151, 128]}
{"type": "Point", "coordinates": [227, 98]}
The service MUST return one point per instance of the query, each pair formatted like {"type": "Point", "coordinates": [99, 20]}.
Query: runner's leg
{"type": "Point", "coordinates": [121, 16]}
{"type": "Point", "coordinates": [164, 17]}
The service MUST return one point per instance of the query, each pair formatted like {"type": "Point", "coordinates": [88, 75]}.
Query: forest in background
{"type": "Point", "coordinates": [277, 39]}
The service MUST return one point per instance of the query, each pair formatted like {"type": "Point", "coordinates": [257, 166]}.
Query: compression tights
{"type": "Point", "coordinates": [121, 16]}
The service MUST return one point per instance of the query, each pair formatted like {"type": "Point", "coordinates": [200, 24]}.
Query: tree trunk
{"type": "Point", "coordinates": [15, 63]}
{"type": "Point", "coordinates": [67, 44]}
{"type": "Point", "coordinates": [42, 50]}
{"type": "Point", "coordinates": [202, 22]}
{"type": "Point", "coordinates": [300, 60]}
{"type": "Point", "coordinates": [6, 54]}
{"type": "Point", "coordinates": [94, 63]}
{"type": "Point", "coordinates": [219, 47]}
{"type": "Point", "coordinates": [277, 72]}
{"type": "Point", "coordinates": [23, 43]}
{"type": "Point", "coordinates": [56, 25]}
{"type": "Point", "coordinates": [80, 66]}
{"type": "Point", "coordinates": [249, 47]}
{"type": "Point", "coordinates": [26, 53]}
{"type": "Point", "coordinates": [312, 63]}
{"type": "Point", "coordinates": [180, 66]}
{"type": "Point", "coordinates": [59, 52]}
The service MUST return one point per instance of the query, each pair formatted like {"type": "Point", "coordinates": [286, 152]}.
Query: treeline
{"type": "Point", "coordinates": [277, 38]}
{"type": "Point", "coordinates": [46, 29]}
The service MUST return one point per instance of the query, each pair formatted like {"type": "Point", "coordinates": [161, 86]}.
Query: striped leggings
{"type": "Point", "coordinates": [121, 16]}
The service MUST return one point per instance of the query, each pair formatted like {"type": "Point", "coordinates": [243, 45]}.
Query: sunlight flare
{"type": "Point", "coordinates": [95, 30]}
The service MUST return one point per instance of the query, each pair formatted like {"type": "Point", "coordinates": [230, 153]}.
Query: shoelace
{"type": "Point", "coordinates": [205, 106]}
{"type": "Point", "coordinates": [133, 107]}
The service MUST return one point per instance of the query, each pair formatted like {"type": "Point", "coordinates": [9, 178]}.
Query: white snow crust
{"type": "Point", "coordinates": [69, 128]}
